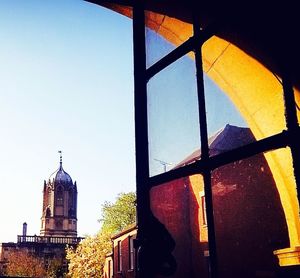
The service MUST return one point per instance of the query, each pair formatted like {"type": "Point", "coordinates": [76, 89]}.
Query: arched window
{"type": "Point", "coordinates": [71, 198]}
{"type": "Point", "coordinates": [59, 224]}
{"type": "Point", "coordinates": [48, 212]}
{"type": "Point", "coordinates": [59, 196]}
{"type": "Point", "coordinates": [49, 195]}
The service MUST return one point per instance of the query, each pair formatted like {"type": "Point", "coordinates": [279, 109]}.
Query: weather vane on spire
{"type": "Point", "coordinates": [60, 152]}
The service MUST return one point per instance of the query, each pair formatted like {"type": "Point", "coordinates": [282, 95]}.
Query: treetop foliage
{"type": "Point", "coordinates": [117, 216]}
{"type": "Point", "coordinates": [22, 264]}
{"type": "Point", "coordinates": [88, 259]}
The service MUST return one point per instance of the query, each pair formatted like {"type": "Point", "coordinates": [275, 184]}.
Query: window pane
{"type": "Point", "coordinates": [248, 94]}
{"type": "Point", "coordinates": [249, 216]}
{"type": "Point", "coordinates": [172, 115]}
{"type": "Point", "coordinates": [162, 35]}
{"type": "Point", "coordinates": [177, 205]}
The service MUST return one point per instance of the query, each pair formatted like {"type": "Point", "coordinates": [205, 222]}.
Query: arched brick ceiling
{"type": "Point", "coordinates": [267, 32]}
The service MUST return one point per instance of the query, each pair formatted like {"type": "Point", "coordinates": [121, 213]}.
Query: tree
{"type": "Point", "coordinates": [56, 268]}
{"type": "Point", "coordinates": [22, 264]}
{"type": "Point", "coordinates": [87, 260]}
{"type": "Point", "coordinates": [117, 216]}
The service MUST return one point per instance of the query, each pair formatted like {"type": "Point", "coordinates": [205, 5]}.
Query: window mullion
{"type": "Point", "coordinates": [170, 58]}
{"type": "Point", "coordinates": [264, 145]}
{"type": "Point", "coordinates": [141, 125]}
{"type": "Point", "coordinates": [180, 51]}
{"type": "Point", "coordinates": [213, 270]}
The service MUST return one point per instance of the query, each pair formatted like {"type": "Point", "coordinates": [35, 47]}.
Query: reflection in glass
{"type": "Point", "coordinates": [249, 95]}
{"type": "Point", "coordinates": [249, 218]}
{"type": "Point", "coordinates": [156, 41]}
{"type": "Point", "coordinates": [220, 109]}
{"type": "Point", "coordinates": [172, 115]}
{"type": "Point", "coordinates": [178, 206]}
{"type": "Point", "coordinates": [255, 209]}
{"type": "Point", "coordinates": [163, 36]}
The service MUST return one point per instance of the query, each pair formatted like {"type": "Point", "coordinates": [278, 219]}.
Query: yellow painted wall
{"type": "Point", "coordinates": [258, 96]}
{"type": "Point", "coordinates": [197, 185]}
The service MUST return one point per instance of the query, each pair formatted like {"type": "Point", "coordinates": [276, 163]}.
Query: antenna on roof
{"type": "Point", "coordinates": [164, 163]}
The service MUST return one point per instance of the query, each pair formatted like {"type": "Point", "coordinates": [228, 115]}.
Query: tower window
{"type": "Point", "coordinates": [59, 196]}
{"type": "Point", "coordinates": [71, 196]}
{"type": "Point", "coordinates": [49, 195]}
{"type": "Point", "coordinates": [48, 212]}
{"type": "Point", "coordinates": [59, 224]}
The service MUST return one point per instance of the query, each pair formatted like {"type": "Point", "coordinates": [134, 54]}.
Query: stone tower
{"type": "Point", "coordinates": [59, 216]}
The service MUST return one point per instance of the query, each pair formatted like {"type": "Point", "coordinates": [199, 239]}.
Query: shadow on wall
{"type": "Point", "coordinates": [249, 220]}
{"type": "Point", "coordinates": [176, 207]}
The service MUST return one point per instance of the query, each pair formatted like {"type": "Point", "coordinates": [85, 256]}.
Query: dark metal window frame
{"type": "Point", "coordinates": [287, 138]}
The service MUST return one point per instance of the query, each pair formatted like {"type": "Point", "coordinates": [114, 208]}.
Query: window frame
{"type": "Point", "coordinates": [204, 166]}
{"type": "Point", "coordinates": [130, 253]}
{"type": "Point", "coordinates": [59, 197]}
{"type": "Point", "coordinates": [119, 256]}
{"type": "Point", "coordinates": [109, 268]}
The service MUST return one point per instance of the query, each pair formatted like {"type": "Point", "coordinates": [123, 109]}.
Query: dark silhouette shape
{"type": "Point", "coordinates": [155, 250]}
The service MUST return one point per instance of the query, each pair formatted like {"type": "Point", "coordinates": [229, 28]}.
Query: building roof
{"type": "Point", "coordinates": [261, 29]}
{"type": "Point", "coordinates": [60, 175]}
{"type": "Point", "coordinates": [128, 229]}
{"type": "Point", "coordinates": [228, 138]}
{"type": "Point", "coordinates": [8, 244]}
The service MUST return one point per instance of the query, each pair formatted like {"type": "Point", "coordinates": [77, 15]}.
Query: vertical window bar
{"type": "Point", "coordinates": [141, 127]}
{"type": "Point", "coordinates": [213, 267]}
{"type": "Point", "coordinates": [292, 126]}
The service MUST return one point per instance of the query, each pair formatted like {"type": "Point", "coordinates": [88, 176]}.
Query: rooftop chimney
{"type": "Point", "coordinates": [24, 229]}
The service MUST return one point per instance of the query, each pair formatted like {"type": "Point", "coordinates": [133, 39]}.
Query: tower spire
{"type": "Point", "coordinates": [60, 159]}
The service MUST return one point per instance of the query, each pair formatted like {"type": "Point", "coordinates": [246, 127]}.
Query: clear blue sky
{"type": "Point", "coordinates": [173, 108]}
{"type": "Point", "coordinates": [66, 83]}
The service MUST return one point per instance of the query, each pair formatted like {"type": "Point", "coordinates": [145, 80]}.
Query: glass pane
{"type": "Point", "coordinates": [240, 92]}
{"type": "Point", "coordinates": [250, 218]}
{"type": "Point", "coordinates": [163, 34]}
{"type": "Point", "coordinates": [172, 115]}
{"type": "Point", "coordinates": [178, 206]}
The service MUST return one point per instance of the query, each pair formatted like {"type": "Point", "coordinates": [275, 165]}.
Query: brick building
{"type": "Point", "coordinates": [248, 216]}
{"type": "Point", "coordinates": [121, 262]}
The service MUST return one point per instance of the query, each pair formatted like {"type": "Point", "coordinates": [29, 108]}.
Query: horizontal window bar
{"type": "Point", "coordinates": [267, 144]}
{"type": "Point", "coordinates": [167, 60]}
{"type": "Point", "coordinates": [277, 141]}
{"type": "Point", "coordinates": [181, 50]}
